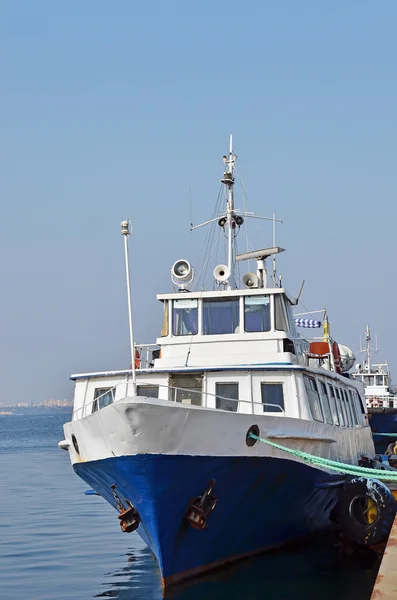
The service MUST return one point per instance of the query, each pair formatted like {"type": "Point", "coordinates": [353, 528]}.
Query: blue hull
{"type": "Point", "coordinates": [383, 422]}
{"type": "Point", "coordinates": [262, 503]}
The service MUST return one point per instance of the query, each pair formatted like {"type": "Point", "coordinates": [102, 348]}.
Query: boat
{"type": "Point", "coordinates": [197, 443]}
{"type": "Point", "coordinates": [380, 397]}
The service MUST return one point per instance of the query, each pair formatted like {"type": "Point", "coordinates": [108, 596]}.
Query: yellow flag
{"type": "Point", "coordinates": [325, 329]}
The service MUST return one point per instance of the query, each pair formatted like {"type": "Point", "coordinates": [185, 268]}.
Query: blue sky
{"type": "Point", "coordinates": [116, 109]}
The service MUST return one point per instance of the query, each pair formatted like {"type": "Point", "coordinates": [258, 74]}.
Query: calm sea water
{"type": "Point", "coordinates": [58, 544]}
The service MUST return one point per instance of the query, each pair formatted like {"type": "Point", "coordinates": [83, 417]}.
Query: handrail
{"type": "Point", "coordinates": [112, 390]}
{"type": "Point", "coordinates": [144, 351]}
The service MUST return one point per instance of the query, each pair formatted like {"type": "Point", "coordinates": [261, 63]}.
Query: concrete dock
{"type": "Point", "coordinates": [385, 587]}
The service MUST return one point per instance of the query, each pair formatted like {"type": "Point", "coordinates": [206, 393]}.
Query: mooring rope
{"type": "Point", "coordinates": [376, 433]}
{"type": "Point", "coordinates": [333, 465]}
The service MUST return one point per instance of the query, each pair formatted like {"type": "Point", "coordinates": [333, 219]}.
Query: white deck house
{"type": "Point", "coordinates": [234, 350]}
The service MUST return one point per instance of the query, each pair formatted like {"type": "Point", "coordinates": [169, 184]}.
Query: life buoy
{"type": "Point", "coordinates": [337, 357]}
{"type": "Point", "coordinates": [375, 401]}
{"type": "Point", "coordinates": [137, 359]}
{"type": "Point", "coordinates": [366, 509]}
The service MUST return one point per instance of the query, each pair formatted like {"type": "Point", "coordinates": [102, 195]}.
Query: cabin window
{"type": "Point", "coordinates": [164, 327]}
{"type": "Point", "coordinates": [186, 388]}
{"type": "Point", "coordinates": [362, 403]}
{"type": "Point", "coordinates": [348, 408]}
{"type": "Point", "coordinates": [149, 391]}
{"type": "Point", "coordinates": [379, 379]}
{"type": "Point", "coordinates": [227, 396]}
{"type": "Point", "coordinates": [280, 316]}
{"type": "Point", "coordinates": [341, 408]}
{"type": "Point", "coordinates": [325, 402]}
{"type": "Point", "coordinates": [102, 397]}
{"type": "Point", "coordinates": [221, 316]}
{"type": "Point", "coordinates": [256, 313]}
{"type": "Point", "coordinates": [332, 401]}
{"type": "Point", "coordinates": [185, 317]}
{"type": "Point", "coordinates": [314, 399]}
{"type": "Point", "coordinates": [359, 401]}
{"type": "Point", "coordinates": [272, 397]}
{"type": "Point", "coordinates": [353, 408]}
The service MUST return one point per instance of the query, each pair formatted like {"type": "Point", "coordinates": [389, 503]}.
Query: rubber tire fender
{"type": "Point", "coordinates": [361, 532]}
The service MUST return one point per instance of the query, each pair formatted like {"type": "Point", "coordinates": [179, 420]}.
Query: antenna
{"type": "Point", "coordinates": [367, 350]}
{"type": "Point", "coordinates": [191, 211]}
{"type": "Point", "coordinates": [245, 210]}
{"type": "Point", "coordinates": [126, 232]}
{"type": "Point", "coordinates": [274, 244]}
{"type": "Point", "coordinates": [300, 291]}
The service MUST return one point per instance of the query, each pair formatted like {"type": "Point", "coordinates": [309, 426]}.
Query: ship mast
{"type": "Point", "coordinates": [228, 181]}
{"type": "Point", "coordinates": [231, 221]}
{"type": "Point", "coordinates": [368, 348]}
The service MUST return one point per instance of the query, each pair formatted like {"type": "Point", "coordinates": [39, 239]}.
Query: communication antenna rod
{"type": "Point", "coordinates": [300, 291]}
{"type": "Point", "coordinates": [126, 232]}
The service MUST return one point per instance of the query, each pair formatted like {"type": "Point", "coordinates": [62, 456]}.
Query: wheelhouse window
{"type": "Point", "coordinates": [332, 401]}
{"type": "Point", "coordinates": [186, 388]}
{"type": "Point", "coordinates": [227, 396]}
{"type": "Point", "coordinates": [291, 320]}
{"type": "Point", "coordinates": [185, 317]}
{"type": "Point", "coordinates": [221, 316]}
{"type": "Point", "coordinates": [272, 397]}
{"type": "Point", "coordinates": [149, 391]}
{"type": "Point", "coordinates": [257, 313]}
{"type": "Point", "coordinates": [281, 323]}
{"type": "Point", "coordinates": [314, 399]}
{"type": "Point", "coordinates": [164, 327]}
{"type": "Point", "coordinates": [325, 402]}
{"type": "Point", "coordinates": [102, 397]}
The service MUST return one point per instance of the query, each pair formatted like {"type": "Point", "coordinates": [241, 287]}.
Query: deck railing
{"type": "Point", "coordinates": [145, 355]}
{"type": "Point", "coordinates": [381, 402]}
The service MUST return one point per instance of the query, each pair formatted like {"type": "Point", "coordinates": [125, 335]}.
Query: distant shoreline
{"type": "Point", "coordinates": [33, 410]}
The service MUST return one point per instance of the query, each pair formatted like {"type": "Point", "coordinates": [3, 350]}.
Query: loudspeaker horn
{"type": "Point", "coordinates": [250, 280]}
{"type": "Point", "coordinates": [182, 271]}
{"type": "Point", "coordinates": [221, 273]}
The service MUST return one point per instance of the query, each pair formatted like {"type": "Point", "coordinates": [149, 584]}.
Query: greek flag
{"type": "Point", "coordinates": [307, 323]}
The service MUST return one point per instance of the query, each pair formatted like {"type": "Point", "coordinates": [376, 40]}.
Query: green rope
{"type": "Point", "coordinates": [375, 433]}
{"type": "Point", "coordinates": [333, 465]}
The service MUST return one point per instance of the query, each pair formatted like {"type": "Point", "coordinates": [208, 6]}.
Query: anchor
{"type": "Point", "coordinates": [129, 517]}
{"type": "Point", "coordinates": [201, 507]}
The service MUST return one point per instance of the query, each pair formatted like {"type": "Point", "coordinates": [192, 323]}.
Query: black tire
{"type": "Point", "coordinates": [351, 506]}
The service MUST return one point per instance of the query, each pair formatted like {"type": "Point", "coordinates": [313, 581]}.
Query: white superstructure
{"type": "Point", "coordinates": [376, 379]}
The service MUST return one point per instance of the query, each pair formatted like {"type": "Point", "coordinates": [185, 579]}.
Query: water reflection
{"type": "Point", "coordinates": [317, 569]}
{"type": "Point", "coordinates": [138, 578]}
